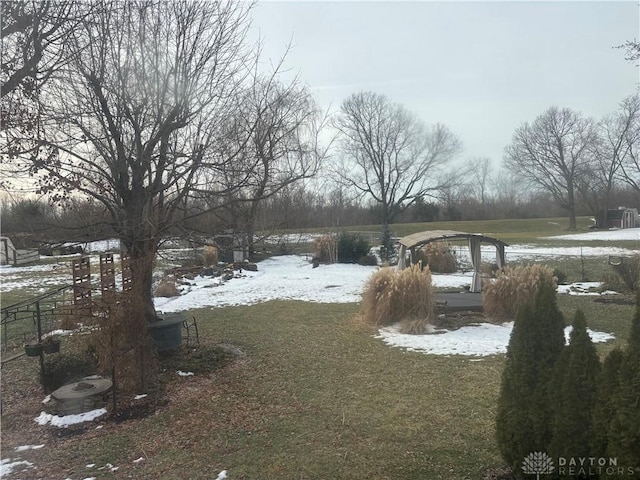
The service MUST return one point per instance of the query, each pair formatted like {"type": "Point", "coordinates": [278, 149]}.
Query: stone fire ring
{"type": "Point", "coordinates": [82, 389]}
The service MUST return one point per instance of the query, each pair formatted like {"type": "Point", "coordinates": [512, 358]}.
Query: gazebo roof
{"type": "Point", "coordinates": [420, 238]}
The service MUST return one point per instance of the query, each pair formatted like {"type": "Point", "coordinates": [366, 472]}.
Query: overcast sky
{"type": "Point", "coordinates": [481, 68]}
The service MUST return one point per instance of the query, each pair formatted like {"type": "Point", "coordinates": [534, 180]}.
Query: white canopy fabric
{"type": "Point", "coordinates": [415, 240]}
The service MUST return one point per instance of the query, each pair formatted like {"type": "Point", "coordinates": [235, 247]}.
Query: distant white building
{"type": "Point", "coordinates": [621, 217]}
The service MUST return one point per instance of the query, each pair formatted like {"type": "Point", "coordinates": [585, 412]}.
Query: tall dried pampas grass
{"type": "Point", "coordinates": [513, 288]}
{"type": "Point", "coordinates": [404, 296]}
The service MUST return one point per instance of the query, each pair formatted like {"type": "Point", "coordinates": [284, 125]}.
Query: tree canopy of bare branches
{"type": "Point", "coordinates": [552, 153]}
{"type": "Point", "coordinates": [616, 143]}
{"type": "Point", "coordinates": [133, 117]}
{"type": "Point", "coordinates": [391, 156]}
{"type": "Point", "coordinates": [273, 134]}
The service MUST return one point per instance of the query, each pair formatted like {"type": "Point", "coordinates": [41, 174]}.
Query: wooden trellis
{"type": "Point", "coordinates": [81, 270]}
{"type": "Point", "coordinates": [127, 282]}
{"type": "Point", "coordinates": [107, 275]}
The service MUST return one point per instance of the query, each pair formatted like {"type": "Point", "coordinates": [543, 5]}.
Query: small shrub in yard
{"type": "Point", "coordinates": [439, 257]}
{"type": "Point", "coordinates": [368, 260]}
{"type": "Point", "coordinates": [629, 272]}
{"type": "Point", "coordinates": [513, 288]}
{"type": "Point", "coordinates": [392, 296]}
{"type": "Point", "coordinates": [63, 368]}
{"type": "Point", "coordinates": [561, 277]}
{"type": "Point", "coordinates": [167, 288]}
{"type": "Point", "coordinates": [326, 250]}
{"type": "Point", "coordinates": [351, 247]}
{"type": "Point", "coordinates": [210, 256]}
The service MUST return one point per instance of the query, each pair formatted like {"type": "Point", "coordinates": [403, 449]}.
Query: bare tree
{"type": "Point", "coordinates": [33, 40]}
{"type": "Point", "coordinates": [33, 35]}
{"type": "Point", "coordinates": [632, 48]}
{"type": "Point", "coordinates": [134, 116]}
{"type": "Point", "coordinates": [552, 153]}
{"type": "Point", "coordinates": [392, 157]}
{"type": "Point", "coordinates": [275, 131]}
{"type": "Point", "coordinates": [613, 151]}
{"type": "Point", "coordinates": [480, 170]}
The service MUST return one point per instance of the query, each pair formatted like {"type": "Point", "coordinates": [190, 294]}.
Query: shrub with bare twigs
{"type": "Point", "coordinates": [122, 344]}
{"type": "Point", "coordinates": [326, 249]}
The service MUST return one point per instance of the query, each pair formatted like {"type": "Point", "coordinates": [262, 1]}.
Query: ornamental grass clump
{"type": "Point", "coordinates": [326, 249]}
{"type": "Point", "coordinates": [439, 257]}
{"type": "Point", "coordinates": [513, 288]}
{"type": "Point", "coordinates": [399, 296]}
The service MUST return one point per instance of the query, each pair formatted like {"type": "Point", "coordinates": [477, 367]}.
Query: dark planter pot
{"type": "Point", "coordinates": [33, 350]}
{"type": "Point", "coordinates": [53, 347]}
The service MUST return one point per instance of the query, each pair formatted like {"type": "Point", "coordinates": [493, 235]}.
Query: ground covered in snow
{"type": "Point", "coordinates": [607, 235]}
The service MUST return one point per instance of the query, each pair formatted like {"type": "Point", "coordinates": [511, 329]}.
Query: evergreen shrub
{"type": "Point", "coordinates": [523, 422]}
{"type": "Point", "coordinates": [352, 247]}
{"type": "Point", "coordinates": [624, 425]}
{"type": "Point", "coordinates": [572, 393]}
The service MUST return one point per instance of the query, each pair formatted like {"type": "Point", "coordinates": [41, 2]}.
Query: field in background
{"type": "Point", "coordinates": [515, 231]}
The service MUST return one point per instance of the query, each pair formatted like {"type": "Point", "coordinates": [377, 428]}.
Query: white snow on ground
{"type": "Point", "coordinates": [8, 464]}
{"type": "Point", "coordinates": [473, 340]}
{"type": "Point", "coordinates": [22, 448]}
{"type": "Point", "coordinates": [610, 235]}
{"type": "Point", "coordinates": [45, 418]}
{"type": "Point", "coordinates": [584, 288]}
{"type": "Point", "coordinates": [288, 277]}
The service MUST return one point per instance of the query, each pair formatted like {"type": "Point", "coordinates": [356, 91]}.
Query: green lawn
{"type": "Point", "coordinates": [314, 396]}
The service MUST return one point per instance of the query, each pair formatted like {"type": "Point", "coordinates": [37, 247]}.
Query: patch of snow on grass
{"type": "Point", "coordinates": [8, 464]}
{"type": "Point", "coordinates": [584, 288]}
{"type": "Point", "coordinates": [607, 235]}
{"type": "Point", "coordinates": [473, 340]}
{"type": "Point", "coordinates": [22, 448]}
{"type": "Point", "coordinates": [67, 420]}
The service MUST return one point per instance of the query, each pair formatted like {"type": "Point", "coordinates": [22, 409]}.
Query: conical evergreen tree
{"type": "Point", "coordinates": [572, 393]}
{"type": "Point", "coordinates": [537, 340]}
{"type": "Point", "coordinates": [604, 408]}
{"type": "Point", "coordinates": [624, 429]}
